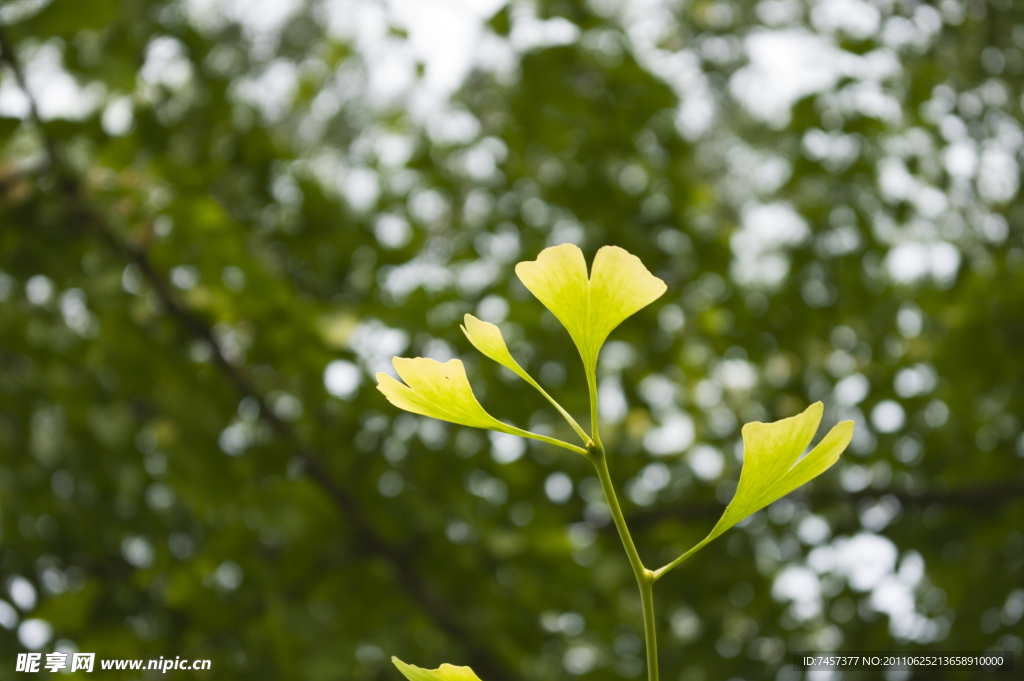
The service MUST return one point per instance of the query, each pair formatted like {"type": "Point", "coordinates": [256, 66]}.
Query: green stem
{"type": "Point", "coordinates": [644, 577]}
{"type": "Point", "coordinates": [592, 385]}
{"type": "Point", "coordinates": [650, 627]}
{"type": "Point", "coordinates": [660, 572]}
{"type": "Point", "coordinates": [571, 421]}
{"type": "Point", "coordinates": [543, 438]}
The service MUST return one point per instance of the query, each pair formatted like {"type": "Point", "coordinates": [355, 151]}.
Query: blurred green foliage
{"type": "Point", "coordinates": [217, 209]}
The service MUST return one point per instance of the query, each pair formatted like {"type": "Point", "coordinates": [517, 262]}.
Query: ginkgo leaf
{"type": "Point", "coordinates": [590, 308]}
{"type": "Point", "coordinates": [442, 391]}
{"type": "Point", "coordinates": [436, 389]}
{"type": "Point", "coordinates": [773, 467]}
{"type": "Point", "coordinates": [446, 672]}
{"type": "Point", "coordinates": [487, 338]}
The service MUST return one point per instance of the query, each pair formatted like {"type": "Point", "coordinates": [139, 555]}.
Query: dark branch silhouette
{"type": "Point", "coordinates": [83, 215]}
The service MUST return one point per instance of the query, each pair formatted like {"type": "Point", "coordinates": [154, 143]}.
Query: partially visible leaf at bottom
{"type": "Point", "coordinates": [446, 672]}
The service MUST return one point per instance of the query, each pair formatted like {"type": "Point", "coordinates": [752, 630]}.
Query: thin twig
{"type": "Point", "coordinates": [8, 57]}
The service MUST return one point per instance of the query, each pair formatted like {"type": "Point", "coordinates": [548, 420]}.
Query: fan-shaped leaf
{"type": "Point", "coordinates": [442, 391]}
{"type": "Point", "coordinates": [590, 308]}
{"type": "Point", "coordinates": [772, 467]}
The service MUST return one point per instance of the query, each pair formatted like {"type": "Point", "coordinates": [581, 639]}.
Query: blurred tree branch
{"type": "Point", "coordinates": [8, 56]}
{"type": "Point", "coordinates": [84, 215]}
{"type": "Point", "coordinates": [368, 537]}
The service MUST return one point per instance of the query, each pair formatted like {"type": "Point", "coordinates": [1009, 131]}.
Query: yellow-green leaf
{"type": "Point", "coordinates": [442, 391]}
{"type": "Point", "coordinates": [772, 467]}
{"type": "Point", "coordinates": [446, 672]}
{"type": "Point", "coordinates": [487, 338]}
{"type": "Point", "coordinates": [590, 308]}
{"type": "Point", "coordinates": [438, 390]}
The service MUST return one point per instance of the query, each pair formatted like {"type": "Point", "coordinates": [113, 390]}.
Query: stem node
{"type": "Point", "coordinates": [644, 578]}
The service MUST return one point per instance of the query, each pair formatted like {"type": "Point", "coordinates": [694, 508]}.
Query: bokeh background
{"type": "Point", "coordinates": [218, 219]}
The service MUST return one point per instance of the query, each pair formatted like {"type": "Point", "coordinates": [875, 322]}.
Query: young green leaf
{"type": "Point", "coordinates": [487, 338]}
{"type": "Point", "coordinates": [772, 467]}
{"type": "Point", "coordinates": [442, 391]}
{"type": "Point", "coordinates": [446, 672]}
{"type": "Point", "coordinates": [619, 285]}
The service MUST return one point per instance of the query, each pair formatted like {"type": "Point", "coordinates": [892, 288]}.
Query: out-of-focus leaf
{"type": "Point", "coordinates": [64, 18]}
{"type": "Point", "coordinates": [70, 611]}
{"type": "Point", "coordinates": [501, 22]}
